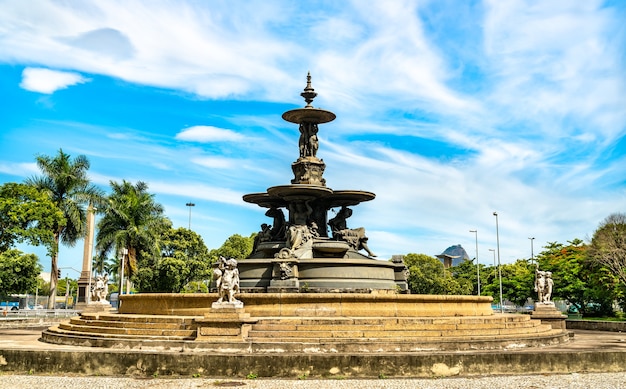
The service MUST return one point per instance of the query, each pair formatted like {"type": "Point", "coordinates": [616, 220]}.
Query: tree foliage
{"type": "Point", "coordinates": [466, 274]}
{"type": "Point", "coordinates": [131, 220]}
{"type": "Point", "coordinates": [236, 246]}
{"type": "Point", "coordinates": [577, 279]}
{"type": "Point", "coordinates": [428, 276]}
{"type": "Point", "coordinates": [18, 272]}
{"type": "Point", "coordinates": [517, 282]}
{"type": "Point", "coordinates": [64, 180]}
{"type": "Point", "coordinates": [183, 258]}
{"type": "Point", "coordinates": [27, 215]}
{"type": "Point", "coordinates": [608, 245]}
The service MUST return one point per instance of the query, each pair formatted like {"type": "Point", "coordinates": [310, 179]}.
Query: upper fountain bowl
{"type": "Point", "coordinates": [309, 115]}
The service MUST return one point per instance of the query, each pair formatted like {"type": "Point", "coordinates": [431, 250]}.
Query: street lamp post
{"type": "Point", "coordinates": [532, 254]}
{"type": "Point", "coordinates": [477, 264]}
{"type": "Point", "coordinates": [190, 205]}
{"type": "Point", "coordinates": [124, 253]}
{"type": "Point", "coordinates": [499, 265]}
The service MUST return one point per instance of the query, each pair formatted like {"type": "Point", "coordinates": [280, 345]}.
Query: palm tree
{"type": "Point", "coordinates": [99, 264]}
{"type": "Point", "coordinates": [65, 181]}
{"type": "Point", "coordinates": [132, 222]}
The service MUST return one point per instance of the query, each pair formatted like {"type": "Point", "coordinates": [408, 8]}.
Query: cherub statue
{"type": "Point", "coordinates": [227, 280]}
{"type": "Point", "coordinates": [100, 290]}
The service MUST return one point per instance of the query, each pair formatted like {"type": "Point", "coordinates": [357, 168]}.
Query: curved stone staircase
{"type": "Point", "coordinates": [303, 334]}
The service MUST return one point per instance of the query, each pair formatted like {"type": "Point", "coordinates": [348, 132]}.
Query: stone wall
{"type": "Point", "coordinates": [124, 362]}
{"type": "Point", "coordinates": [596, 325]}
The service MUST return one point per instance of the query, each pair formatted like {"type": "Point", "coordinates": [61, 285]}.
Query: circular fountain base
{"type": "Point", "coordinates": [305, 323]}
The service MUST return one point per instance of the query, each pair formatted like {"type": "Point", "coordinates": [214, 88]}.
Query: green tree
{"type": "Point", "coordinates": [608, 245]}
{"type": "Point", "coordinates": [66, 183]}
{"type": "Point", "coordinates": [131, 221]}
{"type": "Point", "coordinates": [518, 281]}
{"type": "Point", "coordinates": [428, 276]}
{"type": "Point", "coordinates": [578, 279]}
{"type": "Point", "coordinates": [236, 246]}
{"type": "Point", "coordinates": [18, 272]}
{"type": "Point", "coordinates": [465, 273]}
{"type": "Point", "coordinates": [27, 215]}
{"type": "Point", "coordinates": [100, 264]}
{"type": "Point", "coordinates": [183, 258]}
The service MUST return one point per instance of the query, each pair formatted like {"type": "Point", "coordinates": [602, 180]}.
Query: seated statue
{"type": "Point", "coordinates": [298, 232]}
{"type": "Point", "coordinates": [355, 237]}
{"type": "Point", "coordinates": [264, 235]}
{"type": "Point", "coordinates": [278, 230]}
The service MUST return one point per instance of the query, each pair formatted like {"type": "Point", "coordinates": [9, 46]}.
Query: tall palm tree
{"type": "Point", "coordinates": [99, 264]}
{"type": "Point", "coordinates": [132, 221]}
{"type": "Point", "coordinates": [65, 181]}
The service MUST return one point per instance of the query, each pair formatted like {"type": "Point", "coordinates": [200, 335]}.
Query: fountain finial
{"type": "Point", "coordinates": [309, 93]}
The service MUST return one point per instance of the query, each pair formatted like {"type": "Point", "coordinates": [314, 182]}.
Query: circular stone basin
{"type": "Point", "coordinates": [299, 192]}
{"type": "Point", "coordinates": [309, 115]}
{"type": "Point", "coordinates": [264, 200]}
{"type": "Point", "coordinates": [348, 197]}
{"type": "Point", "coordinates": [330, 246]}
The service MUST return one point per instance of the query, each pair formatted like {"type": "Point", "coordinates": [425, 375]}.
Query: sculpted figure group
{"type": "Point", "coordinates": [543, 286]}
{"type": "Point", "coordinates": [308, 142]}
{"type": "Point", "coordinates": [300, 230]}
{"type": "Point", "coordinates": [354, 236]}
{"type": "Point", "coordinates": [100, 290]}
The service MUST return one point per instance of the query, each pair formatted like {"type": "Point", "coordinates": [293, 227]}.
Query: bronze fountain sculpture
{"type": "Point", "coordinates": [301, 242]}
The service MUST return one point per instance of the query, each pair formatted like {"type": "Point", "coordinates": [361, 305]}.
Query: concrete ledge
{"type": "Point", "coordinates": [123, 362]}
{"type": "Point", "coordinates": [313, 304]}
{"type": "Point", "coordinates": [596, 325]}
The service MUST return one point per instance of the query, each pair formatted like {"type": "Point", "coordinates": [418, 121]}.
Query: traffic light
{"type": "Point", "coordinates": [58, 273]}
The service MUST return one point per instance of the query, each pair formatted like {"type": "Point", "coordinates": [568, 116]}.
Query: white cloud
{"type": "Point", "coordinates": [206, 134]}
{"type": "Point", "coordinates": [215, 162]}
{"type": "Point", "coordinates": [535, 119]}
{"type": "Point", "coordinates": [19, 169]}
{"type": "Point", "coordinates": [49, 81]}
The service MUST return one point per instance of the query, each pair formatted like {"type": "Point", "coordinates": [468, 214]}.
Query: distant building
{"type": "Point", "coordinates": [453, 256]}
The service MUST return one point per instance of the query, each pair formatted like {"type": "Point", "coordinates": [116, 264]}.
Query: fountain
{"type": "Point", "coordinates": [305, 290]}
{"type": "Point", "coordinates": [297, 253]}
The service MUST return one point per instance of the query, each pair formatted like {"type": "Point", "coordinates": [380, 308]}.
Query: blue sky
{"type": "Point", "coordinates": [447, 110]}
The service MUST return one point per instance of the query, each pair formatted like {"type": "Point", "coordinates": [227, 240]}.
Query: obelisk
{"type": "Point", "coordinates": [85, 281]}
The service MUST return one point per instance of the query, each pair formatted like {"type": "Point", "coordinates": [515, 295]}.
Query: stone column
{"type": "Point", "coordinates": [85, 281]}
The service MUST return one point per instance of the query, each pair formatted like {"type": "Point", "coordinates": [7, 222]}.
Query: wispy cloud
{"type": "Point", "coordinates": [206, 134]}
{"type": "Point", "coordinates": [49, 81]}
{"type": "Point", "coordinates": [447, 111]}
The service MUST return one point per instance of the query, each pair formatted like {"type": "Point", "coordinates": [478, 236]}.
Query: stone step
{"type": "Point", "coordinates": [128, 331]}
{"type": "Point", "coordinates": [400, 320]}
{"type": "Point", "coordinates": [123, 324]}
{"type": "Point", "coordinates": [128, 318]}
{"type": "Point", "coordinates": [388, 340]}
{"type": "Point", "coordinates": [77, 332]}
{"type": "Point", "coordinates": [343, 330]}
{"type": "Point", "coordinates": [263, 325]}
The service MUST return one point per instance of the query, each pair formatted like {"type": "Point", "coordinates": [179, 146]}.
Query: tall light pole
{"type": "Point", "coordinates": [499, 265]}
{"type": "Point", "coordinates": [532, 254]}
{"type": "Point", "coordinates": [477, 264]}
{"type": "Point", "coordinates": [190, 205]}
{"type": "Point", "coordinates": [494, 262]}
{"type": "Point", "coordinates": [494, 256]}
{"type": "Point", "coordinates": [123, 252]}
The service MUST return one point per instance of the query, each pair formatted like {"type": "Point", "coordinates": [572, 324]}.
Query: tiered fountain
{"type": "Point", "coordinates": [298, 254]}
{"type": "Point", "coordinates": [314, 291]}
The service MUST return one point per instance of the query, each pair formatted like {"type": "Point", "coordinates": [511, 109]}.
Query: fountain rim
{"type": "Point", "coordinates": [309, 115]}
